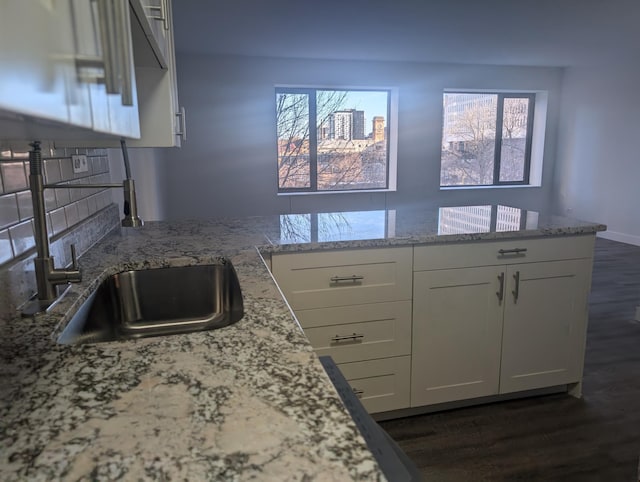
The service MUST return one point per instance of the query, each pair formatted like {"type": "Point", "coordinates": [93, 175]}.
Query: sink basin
{"type": "Point", "coordinates": [160, 301]}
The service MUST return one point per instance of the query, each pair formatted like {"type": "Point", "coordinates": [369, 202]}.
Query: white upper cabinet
{"type": "Point", "coordinates": [154, 17]}
{"type": "Point", "coordinates": [85, 73]}
{"type": "Point", "coordinates": [162, 121]}
{"type": "Point", "coordinates": [104, 64]}
{"type": "Point", "coordinates": [37, 58]}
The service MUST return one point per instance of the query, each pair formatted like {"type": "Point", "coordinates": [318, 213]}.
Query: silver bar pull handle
{"type": "Point", "coordinates": [162, 15]}
{"type": "Point", "coordinates": [353, 278]}
{"type": "Point", "coordinates": [182, 132]}
{"type": "Point", "coordinates": [125, 48]}
{"type": "Point", "coordinates": [516, 290]}
{"type": "Point", "coordinates": [512, 251]}
{"type": "Point", "coordinates": [108, 47]}
{"type": "Point", "coordinates": [359, 393]}
{"type": "Point", "coordinates": [500, 292]}
{"type": "Point", "coordinates": [165, 13]}
{"type": "Point", "coordinates": [354, 337]}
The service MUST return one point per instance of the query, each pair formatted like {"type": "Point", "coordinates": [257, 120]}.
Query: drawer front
{"type": "Point", "coordinates": [488, 253]}
{"type": "Point", "coordinates": [381, 385]}
{"type": "Point", "coordinates": [359, 332]}
{"type": "Point", "coordinates": [347, 277]}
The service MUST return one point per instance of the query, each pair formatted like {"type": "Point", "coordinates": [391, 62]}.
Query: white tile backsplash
{"type": "Point", "coordinates": [13, 176]}
{"type": "Point", "coordinates": [6, 250]}
{"type": "Point", "coordinates": [66, 208]}
{"type": "Point", "coordinates": [22, 237]}
{"type": "Point", "coordinates": [8, 210]}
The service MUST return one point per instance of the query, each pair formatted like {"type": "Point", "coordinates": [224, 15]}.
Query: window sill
{"type": "Point", "coordinates": [509, 186]}
{"type": "Point", "coordinates": [322, 193]}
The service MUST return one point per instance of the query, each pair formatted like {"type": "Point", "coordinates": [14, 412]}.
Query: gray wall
{"type": "Point", "coordinates": [227, 166]}
{"type": "Point", "coordinates": [598, 167]}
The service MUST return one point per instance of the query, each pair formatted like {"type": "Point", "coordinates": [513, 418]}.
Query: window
{"type": "Point", "coordinates": [472, 153]}
{"type": "Point", "coordinates": [332, 140]}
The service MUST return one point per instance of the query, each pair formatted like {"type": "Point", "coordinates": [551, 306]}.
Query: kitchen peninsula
{"type": "Point", "coordinates": [247, 401]}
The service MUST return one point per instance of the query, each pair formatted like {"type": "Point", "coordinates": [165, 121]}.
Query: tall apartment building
{"type": "Point", "coordinates": [343, 125]}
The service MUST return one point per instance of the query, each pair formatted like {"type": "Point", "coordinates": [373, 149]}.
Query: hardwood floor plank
{"type": "Point", "coordinates": [553, 437]}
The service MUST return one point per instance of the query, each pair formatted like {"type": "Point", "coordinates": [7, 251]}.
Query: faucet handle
{"type": "Point", "coordinates": [74, 258]}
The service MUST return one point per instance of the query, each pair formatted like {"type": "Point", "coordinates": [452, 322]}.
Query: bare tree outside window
{"type": "Point", "coordinates": [292, 117]}
{"type": "Point", "coordinates": [472, 153]}
{"type": "Point", "coordinates": [330, 140]}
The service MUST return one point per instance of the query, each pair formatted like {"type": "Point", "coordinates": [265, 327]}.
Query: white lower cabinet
{"type": "Point", "coordinates": [544, 331]}
{"type": "Point", "coordinates": [492, 330]}
{"type": "Point", "coordinates": [355, 305]}
{"type": "Point", "coordinates": [457, 329]}
{"type": "Point", "coordinates": [473, 320]}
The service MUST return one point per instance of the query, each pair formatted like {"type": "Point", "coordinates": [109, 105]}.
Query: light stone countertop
{"type": "Point", "coordinates": [248, 401]}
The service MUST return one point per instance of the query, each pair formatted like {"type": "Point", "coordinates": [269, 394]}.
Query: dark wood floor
{"type": "Point", "coordinates": [555, 437]}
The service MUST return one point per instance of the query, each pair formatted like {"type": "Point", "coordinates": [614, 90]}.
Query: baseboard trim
{"type": "Point", "coordinates": [620, 237]}
{"type": "Point", "coordinates": [439, 407]}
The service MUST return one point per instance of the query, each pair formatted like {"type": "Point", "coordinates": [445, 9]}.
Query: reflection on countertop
{"type": "Point", "coordinates": [414, 224]}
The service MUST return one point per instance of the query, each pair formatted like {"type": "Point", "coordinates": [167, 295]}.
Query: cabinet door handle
{"type": "Point", "coordinates": [359, 393]}
{"type": "Point", "coordinates": [353, 278]}
{"type": "Point", "coordinates": [516, 290]}
{"type": "Point", "coordinates": [162, 16]}
{"type": "Point", "coordinates": [165, 14]}
{"type": "Point", "coordinates": [500, 292]}
{"type": "Point", "coordinates": [108, 46]}
{"type": "Point", "coordinates": [182, 132]}
{"type": "Point", "coordinates": [512, 251]}
{"type": "Point", "coordinates": [354, 337]}
{"type": "Point", "coordinates": [125, 49]}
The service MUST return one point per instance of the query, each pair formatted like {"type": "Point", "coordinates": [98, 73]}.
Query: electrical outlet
{"type": "Point", "coordinates": [80, 163]}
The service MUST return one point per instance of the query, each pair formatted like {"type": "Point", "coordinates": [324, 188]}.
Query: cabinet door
{"type": "Point", "coordinates": [123, 107]}
{"type": "Point", "coordinates": [36, 55]}
{"type": "Point", "coordinates": [155, 21]}
{"type": "Point", "coordinates": [90, 64]}
{"type": "Point", "coordinates": [162, 122]}
{"type": "Point", "coordinates": [544, 324]}
{"type": "Point", "coordinates": [457, 326]}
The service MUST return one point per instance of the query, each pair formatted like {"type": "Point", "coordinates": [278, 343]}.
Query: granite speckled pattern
{"type": "Point", "coordinates": [249, 401]}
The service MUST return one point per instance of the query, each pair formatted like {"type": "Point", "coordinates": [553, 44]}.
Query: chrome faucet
{"type": "Point", "coordinates": [47, 276]}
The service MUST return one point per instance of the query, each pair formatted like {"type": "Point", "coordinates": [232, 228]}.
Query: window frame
{"type": "Point", "coordinates": [497, 153]}
{"type": "Point", "coordinates": [311, 92]}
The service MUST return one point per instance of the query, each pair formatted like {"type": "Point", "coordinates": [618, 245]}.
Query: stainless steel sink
{"type": "Point", "coordinates": [159, 301]}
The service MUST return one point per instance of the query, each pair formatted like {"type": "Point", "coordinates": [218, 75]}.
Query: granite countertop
{"type": "Point", "coordinates": [248, 401]}
{"type": "Point", "coordinates": [416, 224]}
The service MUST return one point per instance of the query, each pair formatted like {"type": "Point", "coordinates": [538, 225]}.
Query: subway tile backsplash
{"type": "Point", "coordinates": [14, 176]}
{"type": "Point", "coordinates": [66, 208]}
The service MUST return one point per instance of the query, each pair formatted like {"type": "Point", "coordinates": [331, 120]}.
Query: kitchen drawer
{"type": "Point", "coordinates": [359, 332]}
{"type": "Point", "coordinates": [487, 253]}
{"type": "Point", "coordinates": [344, 277]}
{"type": "Point", "coordinates": [382, 384]}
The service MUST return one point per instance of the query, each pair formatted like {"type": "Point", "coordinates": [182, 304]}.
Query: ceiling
{"type": "Point", "coordinates": [501, 32]}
